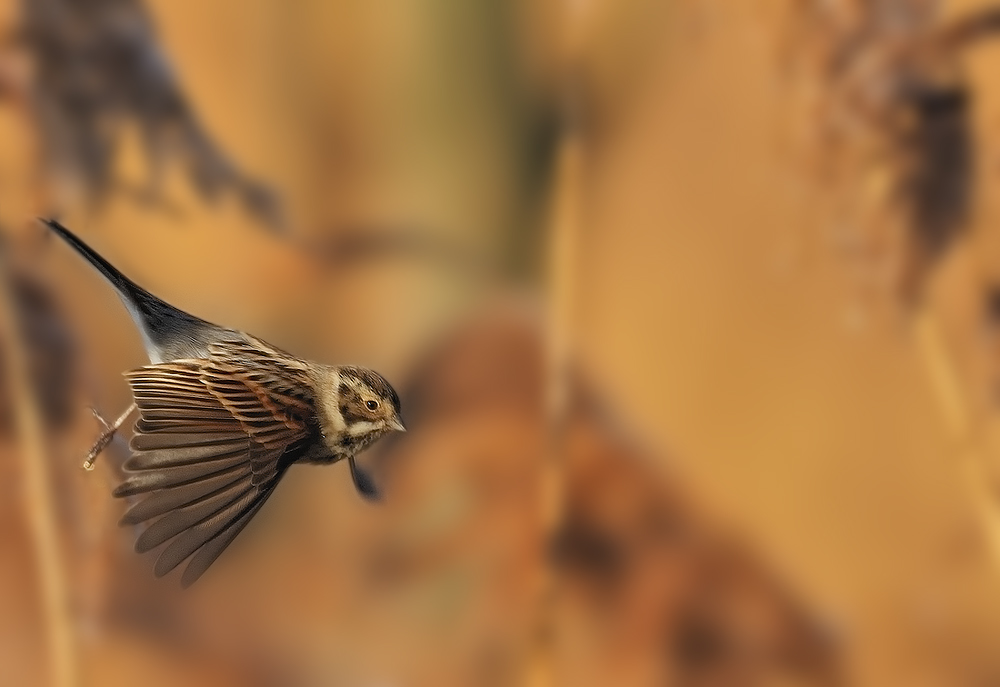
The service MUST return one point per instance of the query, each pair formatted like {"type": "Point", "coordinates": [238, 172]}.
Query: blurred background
{"type": "Point", "coordinates": [693, 306]}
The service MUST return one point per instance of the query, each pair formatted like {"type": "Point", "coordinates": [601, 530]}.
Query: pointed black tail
{"type": "Point", "coordinates": [160, 322]}
{"type": "Point", "coordinates": [125, 286]}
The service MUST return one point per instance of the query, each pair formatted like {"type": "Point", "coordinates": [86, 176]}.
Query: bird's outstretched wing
{"type": "Point", "coordinates": [213, 438]}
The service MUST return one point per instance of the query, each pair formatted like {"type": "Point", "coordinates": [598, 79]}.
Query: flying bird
{"type": "Point", "coordinates": [222, 415]}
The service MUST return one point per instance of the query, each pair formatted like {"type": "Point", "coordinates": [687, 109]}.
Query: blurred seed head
{"type": "Point", "coordinates": [52, 354]}
{"type": "Point", "coordinates": [892, 126]}
{"type": "Point", "coordinates": [98, 71]}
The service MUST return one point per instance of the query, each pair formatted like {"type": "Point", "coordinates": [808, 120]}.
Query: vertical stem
{"type": "Point", "coordinates": [39, 500]}
{"type": "Point", "coordinates": [562, 251]}
{"type": "Point", "coordinates": [562, 254]}
{"type": "Point", "coordinates": [564, 232]}
{"type": "Point", "coordinates": [947, 387]}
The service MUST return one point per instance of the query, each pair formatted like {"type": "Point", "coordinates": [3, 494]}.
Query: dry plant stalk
{"type": "Point", "coordinates": [561, 265]}
{"type": "Point", "coordinates": [562, 254]}
{"type": "Point", "coordinates": [944, 379]}
{"type": "Point", "coordinates": [565, 228]}
{"type": "Point", "coordinates": [39, 501]}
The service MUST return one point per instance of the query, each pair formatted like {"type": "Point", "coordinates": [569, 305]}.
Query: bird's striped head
{"type": "Point", "coordinates": [367, 407]}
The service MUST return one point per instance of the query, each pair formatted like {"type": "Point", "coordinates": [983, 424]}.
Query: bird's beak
{"type": "Point", "coordinates": [396, 425]}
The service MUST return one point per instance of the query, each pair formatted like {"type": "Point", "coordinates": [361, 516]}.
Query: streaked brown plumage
{"type": "Point", "coordinates": [222, 415]}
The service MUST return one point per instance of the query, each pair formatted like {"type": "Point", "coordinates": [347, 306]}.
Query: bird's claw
{"type": "Point", "coordinates": [100, 418]}
{"type": "Point", "coordinates": [99, 445]}
{"type": "Point", "coordinates": [106, 436]}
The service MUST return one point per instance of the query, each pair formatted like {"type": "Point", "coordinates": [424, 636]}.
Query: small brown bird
{"type": "Point", "coordinates": [222, 415]}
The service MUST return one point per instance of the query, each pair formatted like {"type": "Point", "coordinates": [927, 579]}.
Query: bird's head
{"type": "Point", "coordinates": [367, 408]}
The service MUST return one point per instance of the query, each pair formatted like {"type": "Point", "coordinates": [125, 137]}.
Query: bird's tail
{"type": "Point", "coordinates": [125, 286]}
{"type": "Point", "coordinates": [158, 321]}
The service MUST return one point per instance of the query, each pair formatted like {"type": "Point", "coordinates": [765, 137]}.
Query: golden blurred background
{"type": "Point", "coordinates": [692, 305]}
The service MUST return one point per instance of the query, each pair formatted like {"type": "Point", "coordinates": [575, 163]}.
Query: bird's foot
{"type": "Point", "coordinates": [106, 436]}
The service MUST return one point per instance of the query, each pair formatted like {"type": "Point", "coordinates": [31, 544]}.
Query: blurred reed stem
{"type": "Point", "coordinates": [947, 387]}
{"type": "Point", "coordinates": [561, 263]}
{"type": "Point", "coordinates": [39, 501]}
{"type": "Point", "coordinates": [564, 231]}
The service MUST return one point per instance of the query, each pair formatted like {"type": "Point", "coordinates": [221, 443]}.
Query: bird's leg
{"type": "Point", "coordinates": [106, 436]}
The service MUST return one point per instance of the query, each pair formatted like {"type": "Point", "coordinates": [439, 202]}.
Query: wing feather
{"type": "Point", "coordinates": [183, 455]}
{"type": "Point", "coordinates": [166, 500]}
{"type": "Point", "coordinates": [197, 536]}
{"type": "Point", "coordinates": [213, 438]}
{"type": "Point", "coordinates": [181, 519]}
{"type": "Point", "coordinates": [164, 478]}
{"type": "Point", "coordinates": [185, 437]}
{"type": "Point", "coordinates": [207, 554]}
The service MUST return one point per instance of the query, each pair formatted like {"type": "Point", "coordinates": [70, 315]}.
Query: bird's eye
{"type": "Point", "coordinates": [372, 405]}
